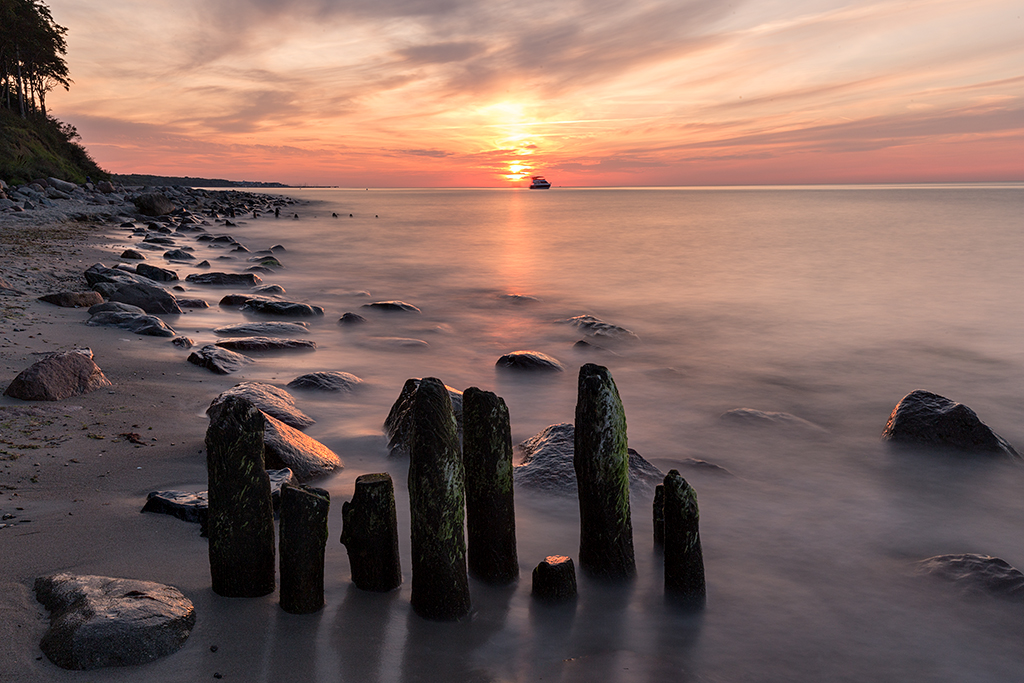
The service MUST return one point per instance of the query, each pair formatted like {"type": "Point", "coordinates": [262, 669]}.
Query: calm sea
{"type": "Point", "coordinates": [827, 303]}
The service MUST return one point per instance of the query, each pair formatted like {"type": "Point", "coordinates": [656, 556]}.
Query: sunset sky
{"type": "Point", "coordinates": [584, 92]}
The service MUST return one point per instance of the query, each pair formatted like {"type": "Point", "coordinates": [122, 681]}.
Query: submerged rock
{"type": "Point", "coordinates": [99, 621]}
{"type": "Point", "coordinates": [194, 506]}
{"type": "Point", "coordinates": [925, 419]}
{"type": "Point", "coordinates": [218, 360]}
{"type": "Point", "coordinates": [273, 401]}
{"type": "Point", "coordinates": [529, 360]}
{"type": "Point", "coordinates": [156, 273]}
{"type": "Point", "coordinates": [149, 297]}
{"type": "Point", "coordinates": [115, 306]}
{"type": "Point", "coordinates": [269, 306]}
{"type": "Point", "coordinates": [977, 574]}
{"type": "Point", "coordinates": [267, 344]}
{"type": "Point", "coordinates": [351, 319]}
{"type": "Point", "coordinates": [139, 324]}
{"type": "Point", "coordinates": [327, 381]}
{"type": "Point", "coordinates": [598, 328]}
{"type": "Point", "coordinates": [547, 463]}
{"type": "Point", "coordinates": [58, 376]}
{"type": "Point", "coordinates": [398, 424]}
{"type": "Point", "coordinates": [392, 306]}
{"type": "Point", "coordinates": [760, 418]}
{"type": "Point", "coordinates": [267, 329]}
{"type": "Point", "coordinates": [224, 279]}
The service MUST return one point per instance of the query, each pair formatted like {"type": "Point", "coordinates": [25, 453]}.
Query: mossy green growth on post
{"type": "Point", "coordinates": [370, 534]}
{"type": "Point", "coordinates": [601, 461]}
{"type": "Point", "coordinates": [241, 513]}
{"type": "Point", "coordinates": [659, 516]}
{"type": "Point", "coordinates": [490, 503]}
{"type": "Point", "coordinates": [303, 539]}
{"type": "Point", "coordinates": [440, 585]}
{"type": "Point", "coordinates": [684, 561]}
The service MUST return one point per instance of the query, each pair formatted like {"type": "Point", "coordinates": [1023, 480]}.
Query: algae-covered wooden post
{"type": "Point", "coordinates": [370, 534]}
{"type": "Point", "coordinates": [684, 561]}
{"type": "Point", "coordinates": [440, 585]}
{"type": "Point", "coordinates": [659, 516]}
{"type": "Point", "coordinates": [554, 579]}
{"type": "Point", "coordinates": [240, 521]}
{"type": "Point", "coordinates": [601, 461]}
{"type": "Point", "coordinates": [490, 504]}
{"type": "Point", "coordinates": [303, 539]}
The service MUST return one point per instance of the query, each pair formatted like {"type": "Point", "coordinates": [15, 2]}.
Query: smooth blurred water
{"type": "Point", "coordinates": [829, 303]}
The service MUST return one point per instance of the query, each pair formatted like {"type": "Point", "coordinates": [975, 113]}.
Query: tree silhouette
{"type": "Point", "coordinates": [32, 50]}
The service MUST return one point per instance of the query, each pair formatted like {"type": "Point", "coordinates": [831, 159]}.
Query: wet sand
{"type": "Point", "coordinates": [72, 487]}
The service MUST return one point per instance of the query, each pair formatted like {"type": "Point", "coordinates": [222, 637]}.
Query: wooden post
{"type": "Point", "coordinates": [241, 514]}
{"type": "Point", "coordinates": [684, 561]}
{"type": "Point", "coordinates": [303, 539]}
{"type": "Point", "coordinates": [440, 585]}
{"type": "Point", "coordinates": [490, 504]}
{"type": "Point", "coordinates": [370, 534]}
{"type": "Point", "coordinates": [601, 461]}
{"type": "Point", "coordinates": [659, 516]}
{"type": "Point", "coordinates": [554, 579]}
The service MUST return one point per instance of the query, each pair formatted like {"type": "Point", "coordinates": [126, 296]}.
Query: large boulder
{"type": "Point", "coordinates": [217, 360]}
{"type": "Point", "coordinates": [977, 574]}
{"type": "Point", "coordinates": [925, 419]}
{"type": "Point", "coordinates": [72, 299]}
{"type": "Point", "coordinates": [547, 463]}
{"type": "Point", "coordinates": [284, 446]}
{"type": "Point", "coordinates": [98, 621]}
{"type": "Point", "coordinates": [529, 360]}
{"type": "Point", "coordinates": [398, 424]}
{"type": "Point", "coordinates": [58, 376]}
{"type": "Point", "coordinates": [153, 204]}
{"type": "Point", "coordinates": [149, 297]}
{"type": "Point", "coordinates": [273, 401]}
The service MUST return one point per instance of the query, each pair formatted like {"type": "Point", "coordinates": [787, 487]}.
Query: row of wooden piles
{"type": "Point", "coordinates": [454, 492]}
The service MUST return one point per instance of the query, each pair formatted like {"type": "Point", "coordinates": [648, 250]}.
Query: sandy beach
{"type": "Point", "coordinates": [71, 486]}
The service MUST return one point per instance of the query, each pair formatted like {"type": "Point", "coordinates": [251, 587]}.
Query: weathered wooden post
{"type": "Point", "coordinates": [303, 539]}
{"type": "Point", "coordinates": [440, 585]}
{"type": "Point", "coordinates": [490, 504]}
{"type": "Point", "coordinates": [241, 515]}
{"type": "Point", "coordinates": [684, 561]}
{"type": "Point", "coordinates": [370, 534]}
{"type": "Point", "coordinates": [659, 516]}
{"type": "Point", "coordinates": [601, 461]}
{"type": "Point", "coordinates": [554, 579]}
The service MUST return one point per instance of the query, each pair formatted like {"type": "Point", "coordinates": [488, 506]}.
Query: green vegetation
{"type": "Point", "coordinates": [33, 144]}
{"type": "Point", "coordinates": [186, 181]}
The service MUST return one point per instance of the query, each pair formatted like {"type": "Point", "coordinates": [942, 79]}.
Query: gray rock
{"type": "Point", "coordinates": [351, 319]}
{"type": "Point", "coordinates": [267, 329]}
{"type": "Point", "coordinates": [183, 342]}
{"type": "Point", "coordinates": [139, 324]}
{"type": "Point", "coordinates": [342, 382]}
{"type": "Point", "coordinates": [178, 255]}
{"type": "Point", "coordinates": [62, 185]}
{"type": "Point", "coordinates": [922, 418]}
{"type": "Point", "coordinates": [154, 204]}
{"type": "Point", "coordinates": [398, 424]}
{"type": "Point", "coordinates": [529, 360]}
{"type": "Point", "coordinates": [72, 299]}
{"type": "Point", "coordinates": [218, 360]}
{"type": "Point", "coordinates": [133, 255]}
{"type": "Point", "coordinates": [98, 621]}
{"type": "Point", "coordinates": [273, 401]}
{"type": "Point", "coordinates": [193, 303]}
{"type": "Point", "coordinates": [115, 306]}
{"type": "Point", "coordinates": [224, 279]}
{"type": "Point", "coordinates": [392, 306]}
{"type": "Point", "coordinates": [155, 273]}
{"type": "Point", "coordinates": [270, 290]}
{"type": "Point", "coordinates": [284, 309]}
{"type": "Point", "coordinates": [148, 297]}
{"type": "Point", "coordinates": [284, 446]}
{"type": "Point", "coordinates": [977, 574]}
{"type": "Point", "coordinates": [58, 376]}
{"type": "Point", "coordinates": [547, 464]}
{"type": "Point", "coordinates": [193, 506]}
{"type": "Point", "coordinates": [257, 344]}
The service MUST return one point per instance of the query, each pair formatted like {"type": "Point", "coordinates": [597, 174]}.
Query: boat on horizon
{"type": "Point", "coordinates": [539, 183]}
